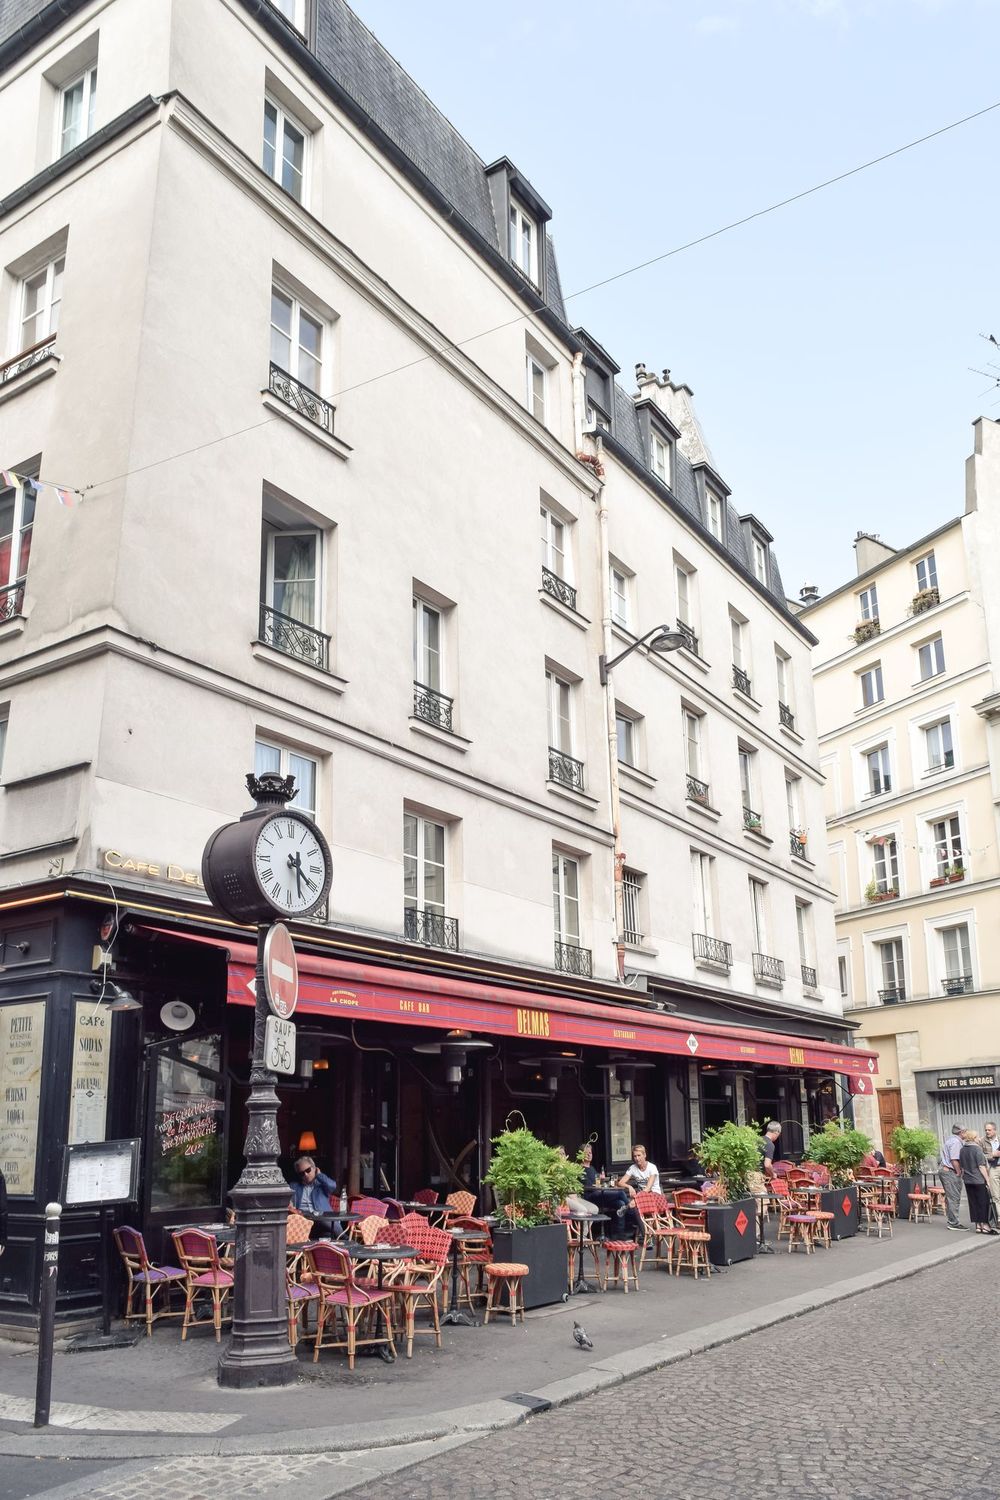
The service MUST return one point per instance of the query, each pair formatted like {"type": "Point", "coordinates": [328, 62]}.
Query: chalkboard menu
{"type": "Point", "coordinates": [22, 1039]}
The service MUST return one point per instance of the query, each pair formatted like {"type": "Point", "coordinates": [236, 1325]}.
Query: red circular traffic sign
{"type": "Point", "coordinates": [281, 971]}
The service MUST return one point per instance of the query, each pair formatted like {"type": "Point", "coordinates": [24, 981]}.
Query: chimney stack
{"type": "Point", "coordinates": [870, 551]}
{"type": "Point", "coordinates": [809, 593]}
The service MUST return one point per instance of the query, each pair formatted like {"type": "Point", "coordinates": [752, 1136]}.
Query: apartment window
{"type": "Point", "coordinates": [17, 519]}
{"type": "Point", "coordinates": [620, 611]}
{"type": "Point", "coordinates": [626, 730]}
{"type": "Point", "coordinates": [843, 976]}
{"type": "Point", "coordinates": [783, 675]}
{"type": "Point", "coordinates": [736, 630]}
{"type": "Point", "coordinates": [930, 657]}
{"type": "Point", "coordinates": [566, 899]}
{"type": "Point", "coordinates": [294, 11]}
{"type": "Point", "coordinates": [926, 573]}
{"type": "Point", "coordinates": [892, 972]}
{"type": "Point", "coordinates": [885, 857]}
{"type": "Point", "coordinates": [536, 378]}
{"type": "Point", "coordinates": [523, 245]}
{"type": "Point", "coordinates": [284, 150]}
{"type": "Point", "coordinates": [40, 303]}
{"type": "Point", "coordinates": [877, 771]}
{"type": "Point", "coordinates": [685, 590]}
{"type": "Point", "coordinates": [594, 418]}
{"type": "Point", "coordinates": [868, 603]}
{"type": "Point", "coordinates": [746, 760]}
{"type": "Point", "coordinates": [803, 928]}
{"type": "Point", "coordinates": [76, 110]}
{"type": "Point", "coordinates": [559, 699]}
{"type": "Point", "coordinates": [872, 690]}
{"type": "Point", "coordinates": [423, 865]}
{"type": "Point", "coordinates": [759, 558]}
{"type": "Point", "coordinates": [428, 632]}
{"type": "Point", "coordinates": [296, 339]}
{"type": "Point", "coordinates": [713, 514]}
{"type": "Point", "coordinates": [285, 762]}
{"type": "Point", "coordinates": [946, 834]}
{"type": "Point", "coordinates": [554, 541]}
{"type": "Point", "coordinates": [939, 747]}
{"type": "Point", "coordinates": [792, 802]}
{"type": "Point", "coordinates": [956, 958]}
{"type": "Point", "coordinates": [661, 455]}
{"type": "Point", "coordinates": [692, 743]}
{"type": "Point", "coordinates": [758, 914]}
{"type": "Point", "coordinates": [632, 883]}
{"type": "Point", "coordinates": [701, 889]}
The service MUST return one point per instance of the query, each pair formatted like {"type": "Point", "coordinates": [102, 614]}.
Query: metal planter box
{"type": "Point", "coordinates": [733, 1227]}
{"type": "Point", "coordinates": [905, 1186]}
{"type": "Point", "coordinates": [543, 1251]}
{"type": "Point", "coordinates": [843, 1204]}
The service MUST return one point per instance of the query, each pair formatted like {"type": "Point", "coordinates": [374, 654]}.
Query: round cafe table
{"type": "Point", "coordinates": [380, 1254]}
{"type": "Point", "coordinates": [455, 1313]}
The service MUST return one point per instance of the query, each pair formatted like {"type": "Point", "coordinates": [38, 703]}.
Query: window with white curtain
{"type": "Point", "coordinates": [885, 859]}
{"type": "Point", "coordinates": [703, 915]}
{"type": "Point", "coordinates": [77, 104]}
{"type": "Point", "coordinates": [620, 611]}
{"type": "Point", "coordinates": [926, 568]}
{"type": "Point", "coordinates": [284, 151]}
{"type": "Point", "coordinates": [661, 457]}
{"type": "Point", "coordinates": [41, 301]}
{"type": "Point", "coordinates": [296, 339]}
{"type": "Point", "coordinates": [285, 762]}
{"type": "Point", "coordinates": [872, 690]}
{"type": "Point", "coordinates": [535, 376]}
{"type": "Point", "coordinates": [930, 658]}
{"type": "Point", "coordinates": [868, 603]}
{"type": "Point", "coordinates": [713, 514]}
{"type": "Point", "coordinates": [566, 898]}
{"type": "Point", "coordinates": [939, 746]}
{"type": "Point", "coordinates": [428, 631]}
{"type": "Point", "coordinates": [292, 572]}
{"type": "Point", "coordinates": [523, 241]}
{"type": "Point", "coordinates": [877, 771]}
{"type": "Point", "coordinates": [956, 956]}
{"type": "Point", "coordinates": [758, 914]}
{"type": "Point", "coordinates": [946, 834]}
{"type": "Point", "coordinates": [625, 727]}
{"type": "Point", "coordinates": [554, 543]}
{"type": "Point", "coordinates": [891, 970]}
{"type": "Point", "coordinates": [559, 696]}
{"type": "Point", "coordinates": [423, 864]}
{"type": "Point", "coordinates": [692, 744]}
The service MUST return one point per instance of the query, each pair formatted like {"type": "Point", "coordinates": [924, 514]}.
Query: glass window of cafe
{"type": "Point", "coordinates": [186, 1136]}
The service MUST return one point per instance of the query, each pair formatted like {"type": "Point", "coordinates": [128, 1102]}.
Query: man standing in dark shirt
{"type": "Point", "coordinates": [769, 1147]}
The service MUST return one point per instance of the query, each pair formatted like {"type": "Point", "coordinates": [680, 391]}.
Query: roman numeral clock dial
{"type": "Point", "coordinates": [291, 863]}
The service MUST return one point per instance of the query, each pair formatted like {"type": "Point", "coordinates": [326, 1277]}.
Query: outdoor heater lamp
{"type": "Point", "coordinates": [454, 1048]}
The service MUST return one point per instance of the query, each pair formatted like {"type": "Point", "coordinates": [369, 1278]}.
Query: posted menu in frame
{"type": "Point", "coordinates": [22, 1036]}
{"type": "Point", "coordinates": [88, 1090]}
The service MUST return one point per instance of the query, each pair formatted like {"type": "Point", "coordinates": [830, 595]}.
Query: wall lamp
{"type": "Point", "coordinates": [660, 638]}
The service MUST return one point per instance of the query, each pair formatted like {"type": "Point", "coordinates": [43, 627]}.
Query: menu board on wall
{"type": "Point", "coordinates": [22, 1034]}
{"type": "Point", "coordinates": [88, 1087]}
{"type": "Point", "coordinates": [621, 1128]}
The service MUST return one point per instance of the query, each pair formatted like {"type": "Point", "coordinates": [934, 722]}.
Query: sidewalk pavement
{"type": "Point", "coordinates": [160, 1399]}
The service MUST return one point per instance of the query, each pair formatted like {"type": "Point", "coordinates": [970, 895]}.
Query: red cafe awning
{"type": "Point", "coordinates": [347, 991]}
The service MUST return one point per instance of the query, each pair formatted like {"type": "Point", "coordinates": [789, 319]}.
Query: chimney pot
{"type": "Point", "coordinates": [808, 593]}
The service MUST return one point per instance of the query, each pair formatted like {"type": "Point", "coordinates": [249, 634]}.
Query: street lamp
{"type": "Point", "coordinates": [660, 638]}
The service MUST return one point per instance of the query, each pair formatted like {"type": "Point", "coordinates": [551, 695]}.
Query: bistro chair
{"type": "Point", "coordinates": [462, 1202]}
{"type": "Point", "coordinates": [691, 1251]}
{"type": "Point", "coordinates": [144, 1276]}
{"type": "Point", "coordinates": [801, 1232]}
{"type": "Point", "coordinates": [401, 1231]}
{"type": "Point", "coordinates": [363, 1204]}
{"type": "Point", "coordinates": [920, 1208]}
{"type": "Point", "coordinates": [620, 1258]}
{"type": "Point", "coordinates": [416, 1281]}
{"type": "Point", "coordinates": [394, 1209]}
{"type": "Point", "coordinates": [300, 1298]}
{"type": "Point", "coordinates": [936, 1194]}
{"type": "Point", "coordinates": [821, 1232]}
{"type": "Point", "coordinates": [297, 1231]}
{"type": "Point", "coordinates": [879, 1209]}
{"type": "Point", "coordinates": [426, 1196]}
{"type": "Point", "coordinates": [688, 1197]}
{"type": "Point", "coordinates": [198, 1253]}
{"type": "Point", "coordinates": [504, 1275]}
{"type": "Point", "coordinates": [473, 1255]}
{"type": "Point", "coordinates": [370, 1231]}
{"type": "Point", "coordinates": [659, 1229]}
{"type": "Point", "coordinates": [344, 1305]}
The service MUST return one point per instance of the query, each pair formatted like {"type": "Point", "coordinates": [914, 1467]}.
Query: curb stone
{"type": "Point", "coordinates": [488, 1416]}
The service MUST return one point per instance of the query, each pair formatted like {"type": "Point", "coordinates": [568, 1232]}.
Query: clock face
{"type": "Point", "coordinates": [291, 864]}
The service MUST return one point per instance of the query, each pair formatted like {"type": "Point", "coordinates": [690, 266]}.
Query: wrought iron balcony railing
{"type": "Point", "coordinates": [558, 588]}
{"type": "Point", "coordinates": [768, 970]}
{"type": "Point", "coordinates": [697, 791]}
{"type": "Point", "coordinates": [433, 707]}
{"type": "Point", "coordinates": [712, 950]}
{"type": "Point", "coordinates": [741, 681]}
{"type": "Point", "coordinates": [751, 820]}
{"type": "Point", "coordinates": [430, 927]}
{"type": "Point", "coordinates": [785, 716]}
{"type": "Point", "coordinates": [690, 639]}
{"type": "Point", "coordinates": [572, 959]}
{"type": "Point", "coordinates": [11, 602]}
{"type": "Point", "coordinates": [797, 845]}
{"type": "Point", "coordinates": [308, 403]}
{"type": "Point", "coordinates": [564, 769]}
{"type": "Point", "coordinates": [893, 995]}
{"type": "Point", "coordinates": [957, 984]}
{"type": "Point", "coordinates": [27, 359]}
{"type": "Point", "coordinates": [808, 977]}
{"type": "Point", "coordinates": [294, 638]}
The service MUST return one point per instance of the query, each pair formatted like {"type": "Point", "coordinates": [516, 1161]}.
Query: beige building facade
{"type": "Point", "coordinates": [906, 699]}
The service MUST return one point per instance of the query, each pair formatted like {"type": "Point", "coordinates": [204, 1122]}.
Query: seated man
{"type": "Point", "coordinates": [610, 1201]}
{"type": "Point", "coordinates": [312, 1192]}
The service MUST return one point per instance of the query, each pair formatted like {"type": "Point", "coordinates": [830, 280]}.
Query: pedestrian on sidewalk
{"type": "Point", "coordinates": [976, 1176]}
{"type": "Point", "coordinates": [991, 1145]}
{"type": "Point", "coordinates": [950, 1176]}
{"type": "Point", "coordinates": [769, 1148]}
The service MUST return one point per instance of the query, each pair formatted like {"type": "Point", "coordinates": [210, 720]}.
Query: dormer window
{"type": "Point", "coordinates": [758, 557]}
{"type": "Point", "coordinates": [294, 11]}
{"type": "Point", "coordinates": [713, 514]}
{"type": "Point", "coordinates": [523, 241]}
{"type": "Point", "coordinates": [661, 457]}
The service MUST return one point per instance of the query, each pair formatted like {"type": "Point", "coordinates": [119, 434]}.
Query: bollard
{"type": "Point", "coordinates": [47, 1314]}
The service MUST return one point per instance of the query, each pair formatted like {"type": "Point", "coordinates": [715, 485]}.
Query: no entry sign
{"type": "Point", "coordinates": [281, 971]}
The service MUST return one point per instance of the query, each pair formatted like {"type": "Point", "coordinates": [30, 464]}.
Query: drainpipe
{"type": "Point", "coordinates": [614, 791]}
{"type": "Point", "coordinates": [579, 401]}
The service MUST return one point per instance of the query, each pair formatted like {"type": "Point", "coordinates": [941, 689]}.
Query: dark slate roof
{"type": "Point", "coordinates": [627, 433]}
{"type": "Point", "coordinates": [14, 13]}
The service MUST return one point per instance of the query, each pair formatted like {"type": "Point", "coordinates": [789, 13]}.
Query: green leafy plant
{"type": "Point", "coordinates": [839, 1148]}
{"type": "Point", "coordinates": [731, 1153]}
{"type": "Point", "coordinates": [530, 1179]}
{"type": "Point", "coordinates": [911, 1144]}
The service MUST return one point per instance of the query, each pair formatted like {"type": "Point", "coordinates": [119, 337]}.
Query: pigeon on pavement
{"type": "Point", "coordinates": [580, 1334]}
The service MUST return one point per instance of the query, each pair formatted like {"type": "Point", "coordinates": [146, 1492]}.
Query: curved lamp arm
{"type": "Point", "coordinates": [660, 638]}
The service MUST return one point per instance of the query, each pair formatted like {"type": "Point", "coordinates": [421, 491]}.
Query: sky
{"type": "Point", "coordinates": [830, 344]}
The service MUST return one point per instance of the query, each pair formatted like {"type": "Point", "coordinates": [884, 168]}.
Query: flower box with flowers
{"type": "Point", "coordinates": [925, 599]}
{"type": "Point", "coordinates": [865, 630]}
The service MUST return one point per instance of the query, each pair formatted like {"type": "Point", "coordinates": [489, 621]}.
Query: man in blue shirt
{"type": "Point", "coordinates": [950, 1176]}
{"type": "Point", "coordinates": [313, 1191]}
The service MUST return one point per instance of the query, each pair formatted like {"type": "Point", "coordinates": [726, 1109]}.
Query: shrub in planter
{"type": "Point", "coordinates": [839, 1148]}
{"type": "Point", "coordinates": [530, 1181]}
{"type": "Point", "coordinates": [912, 1146]}
{"type": "Point", "coordinates": [730, 1154]}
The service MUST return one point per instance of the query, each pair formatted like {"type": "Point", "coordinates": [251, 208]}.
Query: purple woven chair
{"type": "Point", "coordinates": [198, 1253]}
{"type": "Point", "coordinates": [146, 1278]}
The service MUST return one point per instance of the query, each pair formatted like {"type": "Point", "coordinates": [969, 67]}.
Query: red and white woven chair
{"type": "Point", "coordinates": [198, 1253]}
{"type": "Point", "coordinates": [346, 1307]}
{"type": "Point", "coordinates": [415, 1282]}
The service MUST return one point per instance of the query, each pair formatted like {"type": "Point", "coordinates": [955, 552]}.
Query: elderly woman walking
{"type": "Point", "coordinates": [975, 1172]}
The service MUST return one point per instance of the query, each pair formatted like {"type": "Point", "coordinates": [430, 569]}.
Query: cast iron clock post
{"type": "Point", "coordinates": [273, 862]}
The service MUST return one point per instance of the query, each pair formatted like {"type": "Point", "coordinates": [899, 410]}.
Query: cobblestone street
{"type": "Point", "coordinates": [783, 1412]}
